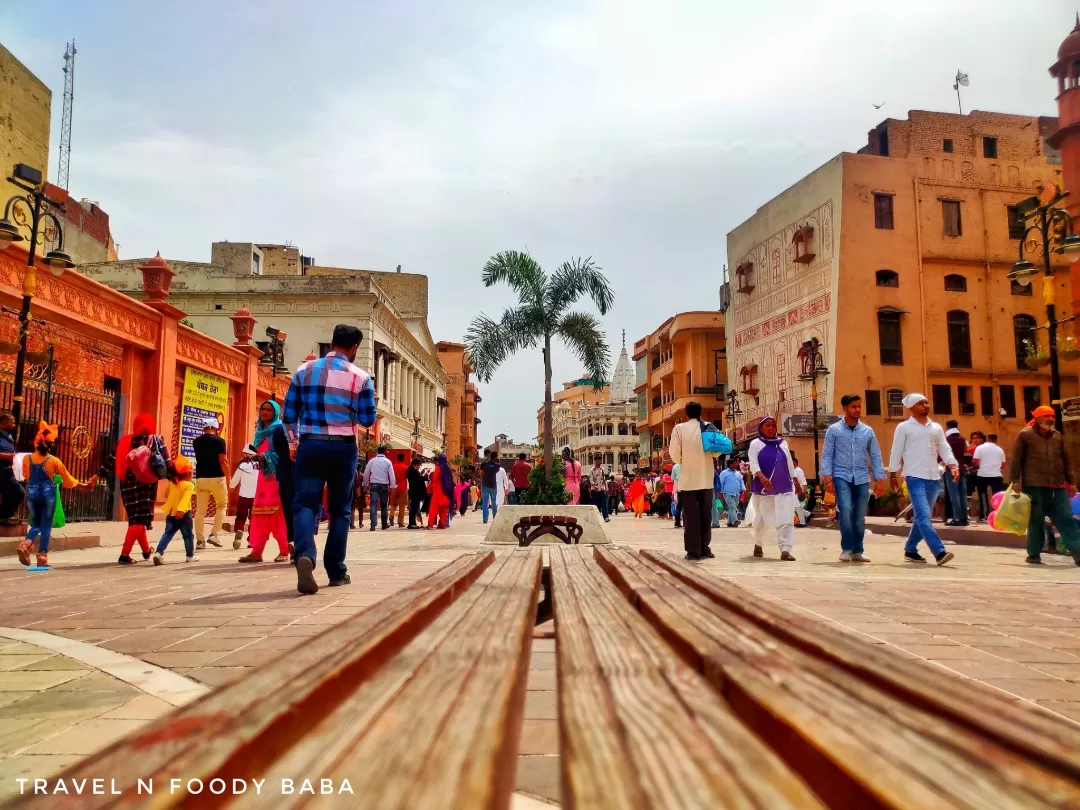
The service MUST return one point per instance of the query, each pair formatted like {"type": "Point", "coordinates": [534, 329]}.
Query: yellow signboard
{"type": "Point", "coordinates": [205, 396]}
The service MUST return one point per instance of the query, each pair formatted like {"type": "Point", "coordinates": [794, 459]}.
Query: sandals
{"type": "Point", "coordinates": [758, 552]}
{"type": "Point", "coordinates": [281, 558]}
{"type": "Point", "coordinates": [251, 558]}
{"type": "Point", "coordinates": [786, 556]}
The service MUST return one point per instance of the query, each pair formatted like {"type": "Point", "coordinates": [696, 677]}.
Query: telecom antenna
{"type": "Point", "coordinates": [65, 122]}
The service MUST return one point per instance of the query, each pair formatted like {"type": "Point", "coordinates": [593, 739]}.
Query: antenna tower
{"type": "Point", "coordinates": [65, 122]}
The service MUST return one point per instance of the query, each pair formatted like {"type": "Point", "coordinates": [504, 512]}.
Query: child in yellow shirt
{"type": "Point", "coordinates": [177, 510]}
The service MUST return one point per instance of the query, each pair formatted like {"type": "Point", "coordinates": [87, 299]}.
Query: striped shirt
{"type": "Point", "coordinates": [328, 397]}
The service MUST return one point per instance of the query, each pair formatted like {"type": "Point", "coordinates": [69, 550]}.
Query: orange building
{"type": "Point", "coordinates": [1066, 138]}
{"type": "Point", "coordinates": [896, 260]}
{"type": "Point", "coordinates": [684, 360]}
{"type": "Point", "coordinates": [461, 401]}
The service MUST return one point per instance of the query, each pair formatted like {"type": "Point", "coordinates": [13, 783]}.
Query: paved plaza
{"type": "Point", "coordinates": [91, 650]}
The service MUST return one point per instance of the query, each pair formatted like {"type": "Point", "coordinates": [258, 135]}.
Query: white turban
{"type": "Point", "coordinates": [912, 399]}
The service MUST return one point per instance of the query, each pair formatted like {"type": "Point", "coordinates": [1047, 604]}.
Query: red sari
{"type": "Point", "coordinates": [440, 503]}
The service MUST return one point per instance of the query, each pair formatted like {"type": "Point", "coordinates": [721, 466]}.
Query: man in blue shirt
{"type": "Point", "coordinates": [731, 485]}
{"type": "Point", "coordinates": [850, 459]}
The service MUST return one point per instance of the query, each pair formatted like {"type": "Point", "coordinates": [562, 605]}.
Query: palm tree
{"type": "Point", "coordinates": [542, 313]}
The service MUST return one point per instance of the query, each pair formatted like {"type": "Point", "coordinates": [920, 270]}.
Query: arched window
{"type": "Point", "coordinates": [588, 430]}
{"type": "Point", "coordinates": [749, 379]}
{"type": "Point", "coordinates": [623, 429]}
{"type": "Point", "coordinates": [954, 282]}
{"type": "Point", "coordinates": [609, 429]}
{"type": "Point", "coordinates": [887, 278]}
{"type": "Point", "coordinates": [609, 459]}
{"type": "Point", "coordinates": [633, 430]}
{"type": "Point", "coordinates": [1023, 333]}
{"type": "Point", "coordinates": [959, 339]}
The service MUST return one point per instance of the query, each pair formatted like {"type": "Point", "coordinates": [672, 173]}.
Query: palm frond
{"type": "Point", "coordinates": [490, 342]}
{"type": "Point", "coordinates": [575, 278]}
{"type": "Point", "coordinates": [520, 271]}
{"type": "Point", "coordinates": [581, 333]}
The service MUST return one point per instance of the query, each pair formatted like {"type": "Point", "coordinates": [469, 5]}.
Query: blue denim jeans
{"type": "Point", "coordinates": [923, 494]}
{"type": "Point", "coordinates": [379, 497]}
{"type": "Point", "coordinates": [185, 525]}
{"type": "Point", "coordinates": [41, 501]}
{"type": "Point", "coordinates": [957, 492]}
{"type": "Point", "coordinates": [512, 498]}
{"type": "Point", "coordinates": [851, 502]}
{"type": "Point", "coordinates": [715, 510]}
{"type": "Point", "coordinates": [330, 465]}
{"type": "Point", "coordinates": [488, 496]}
{"type": "Point", "coordinates": [732, 502]}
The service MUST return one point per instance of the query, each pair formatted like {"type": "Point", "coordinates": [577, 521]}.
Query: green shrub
{"type": "Point", "coordinates": [545, 491]}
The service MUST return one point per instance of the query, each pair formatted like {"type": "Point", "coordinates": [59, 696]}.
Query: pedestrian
{"type": "Point", "coordinates": [461, 497]}
{"type": "Point", "coordinates": [177, 509]}
{"type": "Point", "coordinates": [917, 444]}
{"type": "Point", "coordinates": [636, 495]}
{"type": "Point", "coordinates": [1040, 469]}
{"type": "Point", "coordinates": [572, 475]}
{"type": "Point", "coordinates": [695, 483]}
{"type": "Point", "coordinates": [245, 479]}
{"type": "Point", "coordinates": [850, 462]}
{"type": "Point", "coordinates": [380, 480]}
{"type": "Point", "coordinates": [731, 485]}
{"type": "Point", "coordinates": [137, 496]}
{"type": "Point", "coordinates": [399, 496]}
{"type": "Point", "coordinates": [442, 493]}
{"type": "Point", "coordinates": [598, 487]}
{"type": "Point", "coordinates": [417, 488]}
{"type": "Point", "coordinates": [988, 460]}
{"type": "Point", "coordinates": [11, 492]}
{"type": "Point", "coordinates": [474, 495]}
{"type": "Point", "coordinates": [489, 473]}
{"type": "Point", "coordinates": [327, 399]}
{"type": "Point", "coordinates": [502, 484]}
{"type": "Point", "coordinates": [664, 487]}
{"type": "Point", "coordinates": [956, 490]}
{"type": "Point", "coordinates": [211, 473]}
{"type": "Point", "coordinates": [39, 469]}
{"type": "Point", "coordinates": [614, 495]}
{"type": "Point", "coordinates": [776, 490]}
{"type": "Point", "coordinates": [675, 511]}
{"type": "Point", "coordinates": [356, 511]}
{"type": "Point", "coordinates": [267, 513]}
{"type": "Point", "coordinates": [519, 475]}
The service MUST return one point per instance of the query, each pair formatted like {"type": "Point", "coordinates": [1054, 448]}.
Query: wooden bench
{"type": "Point", "coordinates": [417, 701]}
{"type": "Point", "coordinates": [531, 527]}
{"type": "Point", "coordinates": [863, 726]}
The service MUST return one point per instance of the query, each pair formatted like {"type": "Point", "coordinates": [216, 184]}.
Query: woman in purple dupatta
{"type": "Point", "coordinates": [775, 492]}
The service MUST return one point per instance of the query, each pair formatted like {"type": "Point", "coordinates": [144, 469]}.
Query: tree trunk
{"type": "Point", "coordinates": [548, 440]}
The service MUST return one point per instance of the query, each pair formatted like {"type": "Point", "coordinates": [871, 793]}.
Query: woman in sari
{"type": "Point", "coordinates": [572, 473]}
{"type": "Point", "coordinates": [267, 513]}
{"type": "Point", "coordinates": [635, 498]}
{"type": "Point", "coordinates": [442, 493]}
{"type": "Point", "coordinates": [138, 498]}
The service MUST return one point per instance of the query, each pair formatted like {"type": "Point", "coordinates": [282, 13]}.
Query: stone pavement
{"type": "Point", "coordinates": [987, 616]}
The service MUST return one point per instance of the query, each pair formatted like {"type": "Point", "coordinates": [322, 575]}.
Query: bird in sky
{"type": "Point", "coordinates": [878, 106]}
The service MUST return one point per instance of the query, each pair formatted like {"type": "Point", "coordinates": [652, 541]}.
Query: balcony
{"type": "Point", "coordinates": [664, 370]}
{"type": "Point", "coordinates": [621, 443]}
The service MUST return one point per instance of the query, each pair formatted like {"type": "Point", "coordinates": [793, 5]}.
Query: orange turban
{"type": "Point", "coordinates": [182, 465]}
{"type": "Point", "coordinates": [1043, 410]}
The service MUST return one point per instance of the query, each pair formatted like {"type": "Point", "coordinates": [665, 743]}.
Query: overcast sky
{"type": "Point", "coordinates": [432, 134]}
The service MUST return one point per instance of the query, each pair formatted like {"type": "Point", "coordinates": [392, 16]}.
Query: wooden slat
{"type": "Point", "coordinates": [639, 728]}
{"type": "Point", "coordinates": [438, 726]}
{"type": "Point", "coordinates": [243, 727]}
{"type": "Point", "coordinates": [856, 745]}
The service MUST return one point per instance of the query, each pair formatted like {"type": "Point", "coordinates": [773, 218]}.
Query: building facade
{"type": "Point", "coordinates": [391, 312]}
{"type": "Point", "coordinates": [896, 259]}
{"type": "Point", "coordinates": [509, 450]}
{"type": "Point", "coordinates": [683, 360]}
{"type": "Point", "coordinates": [460, 422]}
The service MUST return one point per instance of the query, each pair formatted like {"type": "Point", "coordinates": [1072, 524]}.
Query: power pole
{"type": "Point", "coordinates": [65, 122]}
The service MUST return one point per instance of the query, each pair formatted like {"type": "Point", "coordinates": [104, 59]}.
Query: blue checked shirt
{"type": "Point", "coordinates": [850, 454]}
{"type": "Point", "coordinates": [329, 397]}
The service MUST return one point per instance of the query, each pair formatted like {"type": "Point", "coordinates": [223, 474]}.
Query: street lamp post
{"type": "Point", "coordinates": [813, 366]}
{"type": "Point", "coordinates": [275, 355]}
{"type": "Point", "coordinates": [1044, 220]}
{"type": "Point", "coordinates": [33, 205]}
{"type": "Point", "coordinates": [733, 411]}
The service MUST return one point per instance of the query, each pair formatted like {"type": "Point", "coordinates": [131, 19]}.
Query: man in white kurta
{"type": "Point", "coordinates": [775, 490]}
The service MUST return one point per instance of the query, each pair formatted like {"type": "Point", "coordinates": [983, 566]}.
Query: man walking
{"type": "Point", "coordinates": [988, 461]}
{"type": "Point", "coordinates": [380, 480]}
{"type": "Point", "coordinates": [731, 486]}
{"type": "Point", "coordinates": [327, 399]}
{"type": "Point", "coordinates": [11, 492]}
{"type": "Point", "coordinates": [850, 461]}
{"type": "Point", "coordinates": [519, 476]}
{"type": "Point", "coordinates": [598, 487]}
{"type": "Point", "coordinates": [417, 491]}
{"type": "Point", "coordinates": [489, 480]}
{"type": "Point", "coordinates": [916, 446]}
{"type": "Point", "coordinates": [1040, 469]}
{"type": "Point", "coordinates": [956, 490]}
{"type": "Point", "coordinates": [695, 483]}
{"type": "Point", "coordinates": [399, 495]}
{"type": "Point", "coordinates": [211, 473]}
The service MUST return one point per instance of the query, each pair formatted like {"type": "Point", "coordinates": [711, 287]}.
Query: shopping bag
{"type": "Point", "coordinates": [1014, 513]}
{"type": "Point", "coordinates": [59, 520]}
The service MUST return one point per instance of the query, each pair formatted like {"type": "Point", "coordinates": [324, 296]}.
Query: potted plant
{"type": "Point", "coordinates": [1036, 356]}
{"type": "Point", "coordinates": [1069, 348]}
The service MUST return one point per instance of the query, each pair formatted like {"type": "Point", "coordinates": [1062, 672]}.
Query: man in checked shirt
{"type": "Point", "coordinates": [327, 399]}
